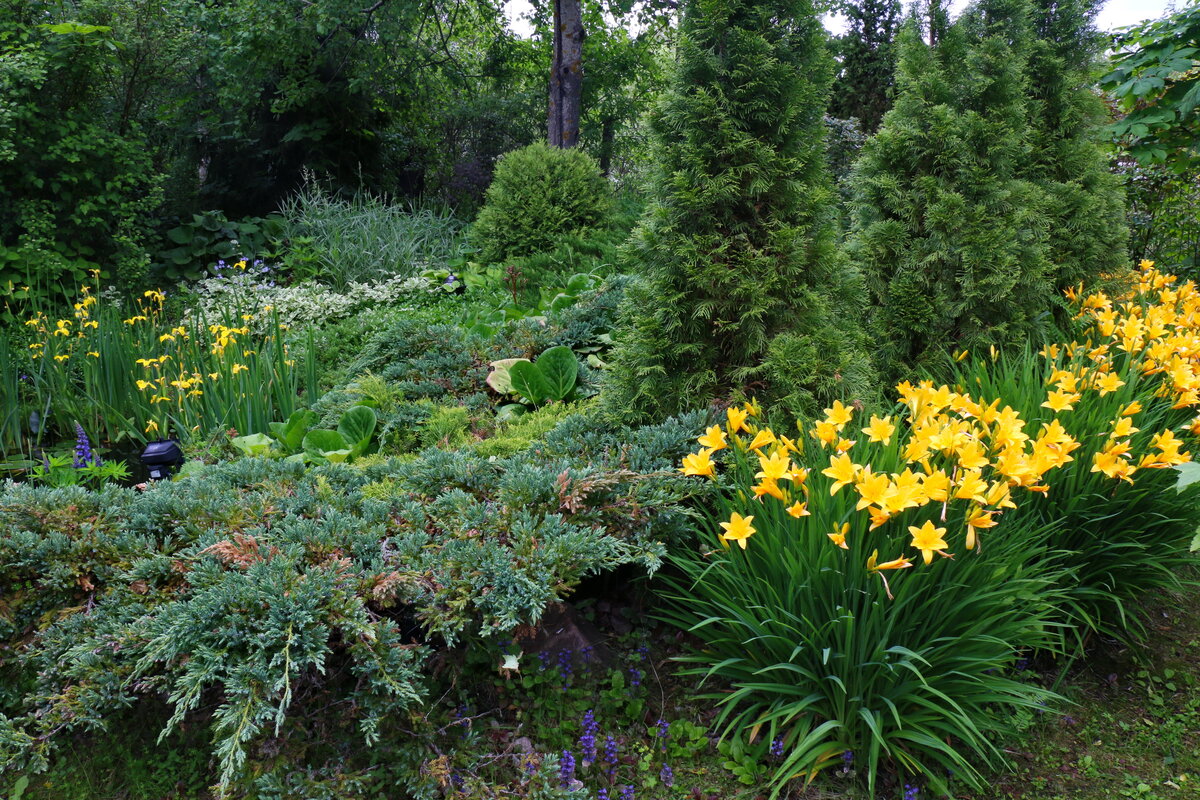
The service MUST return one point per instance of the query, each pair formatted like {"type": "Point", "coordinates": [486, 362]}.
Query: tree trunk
{"type": "Point", "coordinates": [607, 138]}
{"type": "Point", "coordinates": [566, 74]}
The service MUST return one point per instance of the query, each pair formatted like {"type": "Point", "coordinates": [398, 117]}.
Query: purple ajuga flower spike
{"type": "Point", "coordinates": [777, 747]}
{"type": "Point", "coordinates": [635, 677]}
{"type": "Point", "coordinates": [84, 456]}
{"type": "Point", "coordinates": [565, 657]}
{"type": "Point", "coordinates": [602, 794]}
{"type": "Point", "coordinates": [611, 755]}
{"type": "Point", "coordinates": [587, 742]}
{"type": "Point", "coordinates": [911, 792]}
{"type": "Point", "coordinates": [566, 768]}
{"type": "Point", "coordinates": [667, 776]}
{"type": "Point", "coordinates": [627, 792]}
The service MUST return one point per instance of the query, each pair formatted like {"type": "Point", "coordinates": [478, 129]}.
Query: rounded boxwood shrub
{"type": "Point", "coordinates": [539, 194]}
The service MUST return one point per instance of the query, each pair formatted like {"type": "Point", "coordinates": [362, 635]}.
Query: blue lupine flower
{"type": "Point", "coordinates": [83, 449]}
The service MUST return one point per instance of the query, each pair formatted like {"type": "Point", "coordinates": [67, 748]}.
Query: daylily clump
{"type": "Point", "coordinates": [935, 476]}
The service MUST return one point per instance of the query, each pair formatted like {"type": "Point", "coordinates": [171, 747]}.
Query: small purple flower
{"type": "Point", "coordinates": [1022, 664]}
{"type": "Point", "coordinates": [530, 766]}
{"type": "Point", "coordinates": [635, 677]}
{"type": "Point", "coordinates": [848, 758]}
{"type": "Point", "coordinates": [544, 661]}
{"type": "Point", "coordinates": [627, 792]}
{"type": "Point", "coordinates": [602, 794]}
{"type": "Point", "coordinates": [667, 776]}
{"type": "Point", "coordinates": [611, 755]}
{"type": "Point", "coordinates": [777, 747]}
{"type": "Point", "coordinates": [565, 657]}
{"type": "Point", "coordinates": [83, 449]}
{"type": "Point", "coordinates": [911, 792]}
{"type": "Point", "coordinates": [566, 768]}
{"type": "Point", "coordinates": [587, 742]}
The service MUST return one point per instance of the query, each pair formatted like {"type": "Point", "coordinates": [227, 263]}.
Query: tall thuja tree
{"type": "Point", "coordinates": [1086, 206]}
{"type": "Point", "coordinates": [951, 237]}
{"type": "Point", "coordinates": [866, 55]}
{"type": "Point", "coordinates": [741, 287]}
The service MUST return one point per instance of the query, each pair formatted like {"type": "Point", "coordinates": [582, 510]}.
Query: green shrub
{"type": "Point", "coordinates": [279, 597]}
{"type": "Point", "coordinates": [75, 194]}
{"type": "Point", "coordinates": [984, 192]}
{"type": "Point", "coordinates": [740, 287]}
{"type": "Point", "coordinates": [539, 194]}
{"type": "Point", "coordinates": [209, 238]}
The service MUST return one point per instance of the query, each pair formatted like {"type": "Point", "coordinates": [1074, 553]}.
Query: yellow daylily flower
{"type": "Point", "coordinates": [736, 418]}
{"type": "Point", "coordinates": [838, 536]}
{"type": "Point", "coordinates": [738, 529]}
{"type": "Point", "coordinates": [798, 509]}
{"type": "Point", "coordinates": [763, 438]}
{"type": "Point", "coordinates": [1109, 383]}
{"type": "Point", "coordinates": [978, 519]}
{"type": "Point", "coordinates": [842, 470]}
{"type": "Point", "coordinates": [698, 464]}
{"type": "Point", "coordinates": [713, 439]}
{"type": "Point", "coordinates": [1060, 400]}
{"type": "Point", "coordinates": [839, 414]}
{"type": "Point", "coordinates": [880, 429]}
{"type": "Point", "coordinates": [928, 539]}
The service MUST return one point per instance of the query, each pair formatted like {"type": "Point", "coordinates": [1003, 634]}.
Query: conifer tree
{"type": "Point", "coordinates": [950, 236]}
{"type": "Point", "coordinates": [1086, 207]}
{"type": "Point", "coordinates": [866, 55]}
{"type": "Point", "coordinates": [741, 286]}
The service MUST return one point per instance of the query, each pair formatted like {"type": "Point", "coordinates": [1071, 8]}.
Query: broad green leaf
{"type": "Point", "coordinates": [510, 411]}
{"type": "Point", "coordinates": [291, 433]}
{"type": "Point", "coordinates": [499, 378]}
{"type": "Point", "coordinates": [1189, 473]}
{"type": "Point", "coordinates": [254, 444]}
{"type": "Point", "coordinates": [357, 426]}
{"type": "Point", "coordinates": [560, 371]}
{"type": "Point", "coordinates": [322, 442]}
{"type": "Point", "coordinates": [529, 382]}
